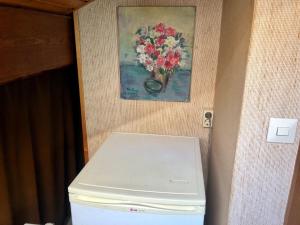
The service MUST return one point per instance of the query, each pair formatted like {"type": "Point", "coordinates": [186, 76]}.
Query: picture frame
{"type": "Point", "coordinates": [156, 52]}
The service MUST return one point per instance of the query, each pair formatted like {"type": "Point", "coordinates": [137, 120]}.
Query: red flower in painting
{"type": "Point", "coordinates": [149, 49]}
{"type": "Point", "coordinates": [170, 31]}
{"type": "Point", "coordinates": [156, 53]}
{"type": "Point", "coordinates": [159, 47]}
{"type": "Point", "coordinates": [142, 41]}
{"type": "Point", "coordinates": [160, 61]}
{"type": "Point", "coordinates": [168, 65]}
{"type": "Point", "coordinates": [160, 28]}
{"type": "Point", "coordinates": [172, 58]}
{"type": "Point", "coordinates": [148, 62]}
{"type": "Point", "coordinates": [177, 56]}
{"type": "Point", "coordinates": [160, 41]}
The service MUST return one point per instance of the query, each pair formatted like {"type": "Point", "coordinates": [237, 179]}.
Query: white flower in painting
{"type": "Point", "coordinates": [179, 50]}
{"type": "Point", "coordinates": [184, 59]}
{"type": "Point", "coordinates": [143, 31]}
{"type": "Point", "coordinates": [149, 67]}
{"type": "Point", "coordinates": [149, 60]}
{"type": "Point", "coordinates": [148, 41]}
{"type": "Point", "coordinates": [142, 58]}
{"type": "Point", "coordinates": [171, 42]}
{"type": "Point", "coordinates": [140, 49]}
{"type": "Point", "coordinates": [153, 34]}
{"type": "Point", "coordinates": [165, 52]}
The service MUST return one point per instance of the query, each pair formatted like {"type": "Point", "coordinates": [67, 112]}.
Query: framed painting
{"type": "Point", "coordinates": [155, 52]}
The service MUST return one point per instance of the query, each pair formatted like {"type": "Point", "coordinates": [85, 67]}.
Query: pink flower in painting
{"type": "Point", "coordinates": [160, 41]}
{"type": "Point", "coordinates": [148, 62]}
{"type": "Point", "coordinates": [149, 49]}
{"type": "Point", "coordinates": [160, 61]}
{"type": "Point", "coordinates": [159, 47]}
{"type": "Point", "coordinates": [156, 53]}
{"type": "Point", "coordinates": [177, 55]}
{"type": "Point", "coordinates": [168, 65]}
{"type": "Point", "coordinates": [172, 59]}
{"type": "Point", "coordinates": [160, 28]}
{"type": "Point", "coordinates": [142, 41]}
{"type": "Point", "coordinates": [170, 31]}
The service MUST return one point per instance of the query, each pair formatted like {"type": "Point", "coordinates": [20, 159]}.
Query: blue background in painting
{"type": "Point", "coordinates": [134, 76]}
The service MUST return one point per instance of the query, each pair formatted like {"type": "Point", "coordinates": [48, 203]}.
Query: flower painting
{"type": "Point", "coordinates": [156, 52]}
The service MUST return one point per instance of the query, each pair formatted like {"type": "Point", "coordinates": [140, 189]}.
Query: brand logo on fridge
{"type": "Point", "coordinates": [135, 210]}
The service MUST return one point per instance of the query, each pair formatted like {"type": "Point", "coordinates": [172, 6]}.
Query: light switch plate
{"type": "Point", "coordinates": [282, 130]}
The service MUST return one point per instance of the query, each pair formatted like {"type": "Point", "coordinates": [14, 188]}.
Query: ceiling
{"type": "Point", "coordinates": [54, 6]}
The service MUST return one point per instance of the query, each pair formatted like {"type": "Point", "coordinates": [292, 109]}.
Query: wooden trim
{"type": "Point", "coordinates": [65, 7]}
{"type": "Point", "coordinates": [80, 81]}
{"type": "Point", "coordinates": [33, 41]}
{"type": "Point", "coordinates": [293, 190]}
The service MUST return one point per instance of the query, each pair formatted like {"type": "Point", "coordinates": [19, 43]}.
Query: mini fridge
{"type": "Point", "coordinates": [141, 179]}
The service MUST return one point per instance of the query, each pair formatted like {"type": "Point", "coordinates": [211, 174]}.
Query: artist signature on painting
{"type": "Point", "coordinates": [131, 93]}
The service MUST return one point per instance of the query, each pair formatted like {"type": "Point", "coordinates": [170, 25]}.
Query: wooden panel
{"type": "Point", "coordinates": [56, 6]}
{"type": "Point", "coordinates": [80, 81]}
{"type": "Point", "coordinates": [31, 42]}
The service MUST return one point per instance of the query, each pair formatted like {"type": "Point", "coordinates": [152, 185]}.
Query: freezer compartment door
{"type": "Point", "coordinates": [89, 215]}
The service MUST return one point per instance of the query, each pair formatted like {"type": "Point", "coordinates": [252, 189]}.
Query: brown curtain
{"type": "Point", "coordinates": [40, 147]}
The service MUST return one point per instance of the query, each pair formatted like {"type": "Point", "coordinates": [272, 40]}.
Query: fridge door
{"type": "Point", "coordinates": [90, 215]}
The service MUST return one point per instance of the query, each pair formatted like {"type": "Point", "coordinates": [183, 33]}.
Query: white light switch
{"type": "Point", "coordinates": [282, 130]}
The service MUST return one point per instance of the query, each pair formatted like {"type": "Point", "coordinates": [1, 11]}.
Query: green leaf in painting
{"type": "Point", "coordinates": [162, 71]}
{"type": "Point", "coordinates": [178, 36]}
{"type": "Point", "coordinates": [138, 31]}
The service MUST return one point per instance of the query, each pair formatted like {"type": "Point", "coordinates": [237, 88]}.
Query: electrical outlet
{"type": "Point", "coordinates": [207, 118]}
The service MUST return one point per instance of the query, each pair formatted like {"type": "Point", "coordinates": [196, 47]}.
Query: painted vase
{"type": "Point", "coordinates": [157, 83]}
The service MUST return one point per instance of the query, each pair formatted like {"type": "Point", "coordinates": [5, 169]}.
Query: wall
{"type": "Point", "coordinates": [263, 171]}
{"type": "Point", "coordinates": [292, 216]}
{"type": "Point", "coordinates": [267, 85]}
{"type": "Point", "coordinates": [106, 112]}
{"type": "Point", "coordinates": [233, 55]}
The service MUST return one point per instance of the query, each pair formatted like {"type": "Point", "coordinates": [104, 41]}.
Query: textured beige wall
{"type": "Point", "coordinates": [106, 112]}
{"type": "Point", "coordinates": [263, 171]}
{"type": "Point", "coordinates": [233, 55]}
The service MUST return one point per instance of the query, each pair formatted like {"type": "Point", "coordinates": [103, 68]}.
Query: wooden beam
{"type": "Point", "coordinates": [54, 6]}
{"type": "Point", "coordinates": [32, 42]}
{"type": "Point", "coordinates": [80, 80]}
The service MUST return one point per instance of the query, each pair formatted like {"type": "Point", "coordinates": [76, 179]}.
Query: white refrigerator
{"type": "Point", "coordinates": [141, 179]}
